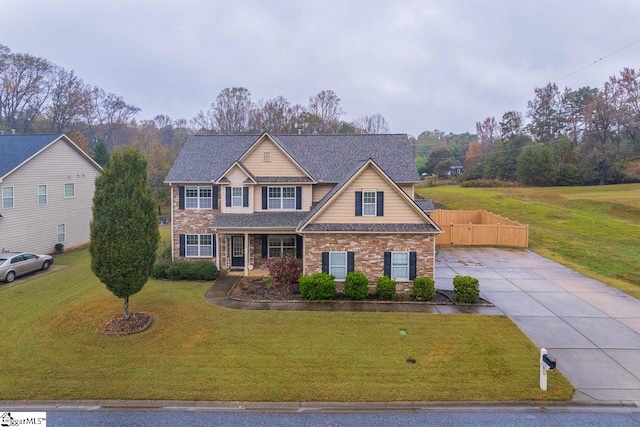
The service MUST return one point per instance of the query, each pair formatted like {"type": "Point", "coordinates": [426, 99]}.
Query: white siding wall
{"type": "Point", "coordinates": [32, 227]}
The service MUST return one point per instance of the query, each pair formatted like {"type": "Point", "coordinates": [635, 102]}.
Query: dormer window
{"type": "Point", "coordinates": [267, 156]}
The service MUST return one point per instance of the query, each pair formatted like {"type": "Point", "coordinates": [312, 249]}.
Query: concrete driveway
{"type": "Point", "coordinates": [591, 329]}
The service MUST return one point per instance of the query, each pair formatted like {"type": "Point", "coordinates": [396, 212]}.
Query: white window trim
{"type": "Point", "coordinates": [46, 194]}
{"type": "Point", "coordinates": [375, 203]}
{"type": "Point", "coordinates": [281, 246]}
{"type": "Point", "coordinates": [199, 246]}
{"type": "Point", "coordinates": [408, 267]}
{"type": "Point", "coordinates": [65, 190]}
{"type": "Point", "coordinates": [235, 198]}
{"type": "Point", "coordinates": [199, 200]}
{"type": "Point", "coordinates": [281, 198]}
{"type": "Point", "coordinates": [64, 233]}
{"type": "Point", "coordinates": [346, 264]}
{"type": "Point", "coordinates": [267, 156]}
{"type": "Point", "coordinates": [12, 198]}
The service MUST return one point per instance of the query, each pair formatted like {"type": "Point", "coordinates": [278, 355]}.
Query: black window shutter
{"type": "Point", "coordinates": [265, 246]}
{"type": "Point", "coordinates": [298, 198]}
{"type": "Point", "coordinates": [182, 245]}
{"type": "Point", "coordinates": [350, 261]}
{"type": "Point", "coordinates": [228, 196]}
{"type": "Point", "coordinates": [181, 197]}
{"type": "Point", "coordinates": [387, 264]}
{"type": "Point", "coordinates": [325, 262]}
{"type": "Point", "coordinates": [358, 203]}
{"type": "Point", "coordinates": [299, 243]}
{"type": "Point", "coordinates": [213, 244]}
{"type": "Point", "coordinates": [245, 197]}
{"type": "Point", "coordinates": [413, 258]}
{"type": "Point", "coordinates": [264, 198]}
{"type": "Point", "coordinates": [215, 195]}
{"type": "Point", "coordinates": [380, 203]}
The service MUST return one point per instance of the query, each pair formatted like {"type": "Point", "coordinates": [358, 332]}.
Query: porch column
{"type": "Point", "coordinates": [246, 254]}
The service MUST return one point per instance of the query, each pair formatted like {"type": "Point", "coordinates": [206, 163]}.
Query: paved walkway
{"type": "Point", "coordinates": [591, 329]}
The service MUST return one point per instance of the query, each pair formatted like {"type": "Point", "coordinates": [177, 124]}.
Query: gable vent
{"type": "Point", "coordinates": [267, 156]}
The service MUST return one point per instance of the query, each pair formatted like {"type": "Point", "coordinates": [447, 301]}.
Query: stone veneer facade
{"type": "Point", "coordinates": [190, 221]}
{"type": "Point", "coordinates": [369, 252]}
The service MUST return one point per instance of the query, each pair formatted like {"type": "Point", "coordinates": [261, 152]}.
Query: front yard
{"type": "Point", "coordinates": [51, 349]}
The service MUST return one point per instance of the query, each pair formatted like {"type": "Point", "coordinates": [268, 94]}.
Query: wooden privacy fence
{"type": "Point", "coordinates": [479, 228]}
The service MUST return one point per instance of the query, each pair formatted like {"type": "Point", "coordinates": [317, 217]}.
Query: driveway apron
{"type": "Point", "coordinates": [591, 329]}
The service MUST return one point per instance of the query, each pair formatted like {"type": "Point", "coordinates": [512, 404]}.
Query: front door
{"type": "Point", "coordinates": [237, 251]}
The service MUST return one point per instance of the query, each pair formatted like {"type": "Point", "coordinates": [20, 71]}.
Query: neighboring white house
{"type": "Point", "coordinates": [47, 185]}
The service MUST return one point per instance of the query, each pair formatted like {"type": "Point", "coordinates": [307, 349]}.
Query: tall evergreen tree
{"type": "Point", "coordinates": [100, 154]}
{"type": "Point", "coordinates": [124, 228]}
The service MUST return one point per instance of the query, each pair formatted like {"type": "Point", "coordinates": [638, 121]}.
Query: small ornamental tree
{"type": "Point", "coordinates": [124, 228]}
{"type": "Point", "coordinates": [285, 270]}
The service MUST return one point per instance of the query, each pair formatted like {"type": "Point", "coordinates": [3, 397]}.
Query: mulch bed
{"type": "Point", "coordinates": [135, 323]}
{"type": "Point", "coordinates": [258, 289]}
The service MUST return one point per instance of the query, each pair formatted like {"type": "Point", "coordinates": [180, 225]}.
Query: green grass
{"type": "Point", "coordinates": [51, 349]}
{"type": "Point", "coordinates": [595, 230]}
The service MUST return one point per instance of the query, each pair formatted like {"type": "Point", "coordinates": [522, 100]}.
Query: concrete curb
{"type": "Point", "coordinates": [226, 406]}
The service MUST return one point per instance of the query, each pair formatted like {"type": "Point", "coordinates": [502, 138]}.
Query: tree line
{"type": "Point", "coordinates": [586, 136]}
{"type": "Point", "coordinates": [37, 96]}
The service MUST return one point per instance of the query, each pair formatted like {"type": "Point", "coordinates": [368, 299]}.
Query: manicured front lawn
{"type": "Point", "coordinates": [595, 230]}
{"type": "Point", "coordinates": [51, 349]}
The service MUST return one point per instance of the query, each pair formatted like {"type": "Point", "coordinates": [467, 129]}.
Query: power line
{"type": "Point", "coordinates": [580, 69]}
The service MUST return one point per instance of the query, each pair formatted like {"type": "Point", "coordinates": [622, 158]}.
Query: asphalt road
{"type": "Point", "coordinates": [515, 416]}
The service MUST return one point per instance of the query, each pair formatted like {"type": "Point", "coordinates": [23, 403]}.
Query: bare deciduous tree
{"type": "Point", "coordinates": [374, 123]}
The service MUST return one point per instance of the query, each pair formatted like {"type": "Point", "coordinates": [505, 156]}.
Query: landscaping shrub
{"type": "Point", "coordinates": [466, 289]}
{"type": "Point", "coordinates": [385, 288]}
{"type": "Point", "coordinates": [59, 248]}
{"type": "Point", "coordinates": [163, 261]}
{"type": "Point", "coordinates": [319, 286]}
{"type": "Point", "coordinates": [285, 270]}
{"type": "Point", "coordinates": [356, 285]}
{"type": "Point", "coordinates": [159, 271]}
{"type": "Point", "coordinates": [424, 288]}
{"type": "Point", "coordinates": [198, 270]}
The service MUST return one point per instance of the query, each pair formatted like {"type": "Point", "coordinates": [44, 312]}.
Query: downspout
{"type": "Point", "coordinates": [172, 237]}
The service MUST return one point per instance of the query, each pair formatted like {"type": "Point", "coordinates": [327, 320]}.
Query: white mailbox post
{"type": "Point", "coordinates": [546, 363]}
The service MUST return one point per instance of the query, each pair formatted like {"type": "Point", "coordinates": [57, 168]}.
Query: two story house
{"type": "Point", "coordinates": [47, 185]}
{"type": "Point", "coordinates": [338, 202]}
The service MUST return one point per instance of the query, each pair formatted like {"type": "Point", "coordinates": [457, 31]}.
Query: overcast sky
{"type": "Point", "coordinates": [422, 64]}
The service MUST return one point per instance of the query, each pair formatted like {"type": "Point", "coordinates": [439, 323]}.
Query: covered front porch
{"type": "Point", "coordinates": [248, 253]}
{"type": "Point", "coordinates": [247, 241]}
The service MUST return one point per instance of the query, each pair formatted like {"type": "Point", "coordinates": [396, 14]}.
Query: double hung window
{"type": "Point", "coordinates": [198, 197]}
{"type": "Point", "coordinates": [281, 198]}
{"type": "Point", "coordinates": [199, 245]}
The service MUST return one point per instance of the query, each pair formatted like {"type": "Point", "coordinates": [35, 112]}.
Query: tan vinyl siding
{"type": "Point", "coordinates": [408, 188]}
{"type": "Point", "coordinates": [396, 208]}
{"type": "Point", "coordinates": [321, 190]}
{"type": "Point", "coordinates": [307, 191]}
{"type": "Point", "coordinates": [236, 176]}
{"type": "Point", "coordinates": [280, 164]}
{"type": "Point", "coordinates": [32, 227]}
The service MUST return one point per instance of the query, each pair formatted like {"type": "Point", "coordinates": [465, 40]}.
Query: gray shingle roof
{"type": "Point", "coordinates": [374, 228]}
{"type": "Point", "coordinates": [325, 157]}
{"type": "Point", "coordinates": [426, 205]}
{"type": "Point", "coordinates": [15, 149]}
{"type": "Point", "coordinates": [259, 220]}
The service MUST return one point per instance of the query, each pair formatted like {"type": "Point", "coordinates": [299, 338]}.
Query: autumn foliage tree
{"type": "Point", "coordinates": [124, 228]}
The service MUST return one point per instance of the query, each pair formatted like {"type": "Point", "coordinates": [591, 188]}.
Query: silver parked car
{"type": "Point", "coordinates": [14, 264]}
